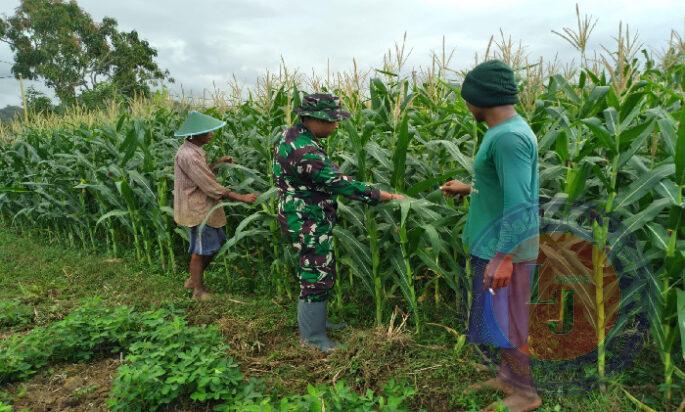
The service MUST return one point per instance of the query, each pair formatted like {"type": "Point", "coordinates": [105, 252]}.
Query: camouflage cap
{"type": "Point", "coordinates": [322, 106]}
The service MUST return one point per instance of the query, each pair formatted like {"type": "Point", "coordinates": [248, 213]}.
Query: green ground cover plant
{"type": "Point", "coordinates": [167, 360]}
{"type": "Point", "coordinates": [14, 313]}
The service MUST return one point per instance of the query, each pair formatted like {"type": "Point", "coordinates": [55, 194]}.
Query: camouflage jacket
{"type": "Point", "coordinates": [308, 182]}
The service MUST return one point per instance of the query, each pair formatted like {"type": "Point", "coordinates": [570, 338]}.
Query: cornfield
{"type": "Point", "coordinates": [611, 137]}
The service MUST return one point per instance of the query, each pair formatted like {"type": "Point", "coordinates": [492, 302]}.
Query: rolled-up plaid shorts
{"type": "Point", "coordinates": [206, 240]}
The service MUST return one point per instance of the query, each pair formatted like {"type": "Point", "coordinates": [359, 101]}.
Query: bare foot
{"type": "Point", "coordinates": [189, 284]}
{"type": "Point", "coordinates": [519, 402]}
{"type": "Point", "coordinates": [495, 384]}
{"type": "Point", "coordinates": [201, 295]}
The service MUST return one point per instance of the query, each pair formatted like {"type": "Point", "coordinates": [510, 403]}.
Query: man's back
{"type": "Point", "coordinates": [504, 204]}
{"type": "Point", "coordinates": [196, 191]}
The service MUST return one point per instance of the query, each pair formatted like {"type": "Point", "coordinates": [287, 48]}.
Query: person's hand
{"type": "Point", "coordinates": [498, 272]}
{"type": "Point", "coordinates": [455, 187]}
{"type": "Point", "coordinates": [387, 196]}
{"type": "Point", "coordinates": [249, 198]}
{"type": "Point", "coordinates": [225, 159]}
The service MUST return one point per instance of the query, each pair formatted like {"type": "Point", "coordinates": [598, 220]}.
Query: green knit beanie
{"type": "Point", "coordinates": [490, 84]}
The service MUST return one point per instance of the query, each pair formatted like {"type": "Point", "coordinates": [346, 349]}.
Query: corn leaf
{"type": "Point", "coordinates": [681, 319]}
{"type": "Point", "coordinates": [643, 185]}
{"type": "Point", "coordinates": [399, 158]}
{"type": "Point", "coordinates": [680, 151]}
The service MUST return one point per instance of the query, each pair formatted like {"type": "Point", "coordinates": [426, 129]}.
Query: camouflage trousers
{"type": "Point", "coordinates": [313, 240]}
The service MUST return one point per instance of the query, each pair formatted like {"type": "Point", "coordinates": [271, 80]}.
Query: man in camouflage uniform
{"type": "Point", "coordinates": [308, 183]}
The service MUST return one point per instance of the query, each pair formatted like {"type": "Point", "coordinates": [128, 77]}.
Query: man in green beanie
{"type": "Point", "coordinates": [308, 184]}
{"type": "Point", "coordinates": [502, 229]}
{"type": "Point", "coordinates": [196, 194]}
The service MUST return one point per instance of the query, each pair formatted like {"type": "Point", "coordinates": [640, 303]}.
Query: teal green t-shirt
{"type": "Point", "coordinates": [503, 214]}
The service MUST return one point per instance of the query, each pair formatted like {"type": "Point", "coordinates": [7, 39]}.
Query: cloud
{"type": "Point", "coordinates": [205, 42]}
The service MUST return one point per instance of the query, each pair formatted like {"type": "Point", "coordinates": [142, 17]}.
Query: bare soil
{"type": "Point", "coordinates": [70, 388]}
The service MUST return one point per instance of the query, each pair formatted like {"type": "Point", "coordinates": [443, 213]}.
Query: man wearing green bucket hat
{"type": "Point", "coordinates": [196, 195]}
{"type": "Point", "coordinates": [308, 183]}
{"type": "Point", "coordinates": [502, 230]}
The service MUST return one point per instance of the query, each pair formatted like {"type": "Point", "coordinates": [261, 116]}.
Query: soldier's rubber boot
{"type": "Point", "coordinates": [311, 321]}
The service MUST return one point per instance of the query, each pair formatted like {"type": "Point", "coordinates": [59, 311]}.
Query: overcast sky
{"type": "Point", "coordinates": [207, 41]}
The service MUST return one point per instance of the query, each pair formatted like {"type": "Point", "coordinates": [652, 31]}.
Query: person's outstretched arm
{"type": "Point", "coordinates": [317, 167]}
{"type": "Point", "coordinates": [199, 172]}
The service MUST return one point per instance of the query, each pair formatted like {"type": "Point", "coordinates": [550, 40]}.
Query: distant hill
{"type": "Point", "coordinates": [9, 112]}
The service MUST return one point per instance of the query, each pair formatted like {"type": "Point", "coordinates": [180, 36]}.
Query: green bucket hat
{"type": "Point", "coordinates": [198, 123]}
{"type": "Point", "coordinates": [322, 106]}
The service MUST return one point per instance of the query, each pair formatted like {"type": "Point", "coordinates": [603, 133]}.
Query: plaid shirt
{"type": "Point", "coordinates": [196, 190]}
